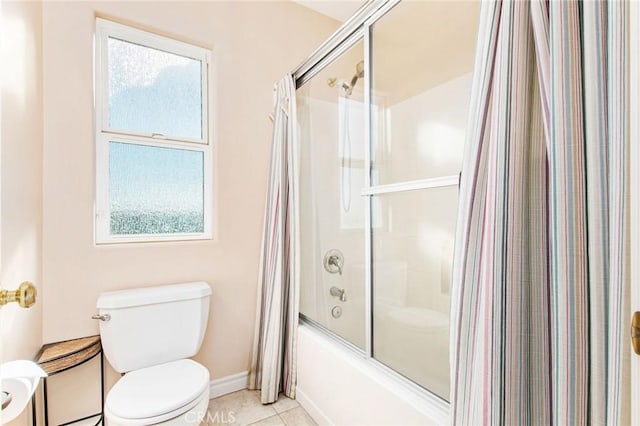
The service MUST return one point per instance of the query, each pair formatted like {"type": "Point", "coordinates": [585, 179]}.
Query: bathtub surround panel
{"type": "Point", "coordinates": [423, 136]}
{"type": "Point", "coordinates": [252, 47]}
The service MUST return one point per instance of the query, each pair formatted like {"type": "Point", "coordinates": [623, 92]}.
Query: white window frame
{"type": "Point", "coordinates": [104, 134]}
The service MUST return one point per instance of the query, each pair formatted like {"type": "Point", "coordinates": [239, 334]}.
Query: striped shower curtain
{"type": "Point", "coordinates": [540, 297]}
{"type": "Point", "coordinates": [273, 361]}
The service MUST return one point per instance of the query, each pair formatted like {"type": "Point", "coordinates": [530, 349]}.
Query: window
{"type": "Point", "coordinates": [153, 148]}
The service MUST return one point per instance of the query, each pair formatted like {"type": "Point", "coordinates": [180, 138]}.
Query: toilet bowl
{"type": "Point", "coordinates": [175, 393]}
{"type": "Point", "coordinates": [149, 334]}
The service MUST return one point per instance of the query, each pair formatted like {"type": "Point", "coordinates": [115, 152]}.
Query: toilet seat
{"type": "Point", "coordinates": [179, 417]}
{"type": "Point", "coordinates": [158, 393]}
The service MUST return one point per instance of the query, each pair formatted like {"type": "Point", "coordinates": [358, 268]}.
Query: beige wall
{"type": "Point", "coordinates": [254, 44]}
{"type": "Point", "coordinates": [21, 169]}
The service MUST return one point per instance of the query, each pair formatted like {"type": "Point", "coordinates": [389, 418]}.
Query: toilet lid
{"type": "Point", "coordinates": [153, 391]}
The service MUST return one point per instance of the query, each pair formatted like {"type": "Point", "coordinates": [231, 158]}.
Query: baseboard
{"type": "Point", "coordinates": [228, 384]}
{"type": "Point", "coordinates": [312, 409]}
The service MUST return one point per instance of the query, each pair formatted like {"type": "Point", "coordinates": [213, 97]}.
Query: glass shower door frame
{"type": "Point", "coordinates": [357, 28]}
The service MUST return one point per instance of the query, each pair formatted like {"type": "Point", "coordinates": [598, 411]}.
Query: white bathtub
{"type": "Point", "coordinates": [339, 387]}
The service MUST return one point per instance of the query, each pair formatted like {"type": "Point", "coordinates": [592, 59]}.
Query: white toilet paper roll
{"type": "Point", "coordinates": [20, 390]}
{"type": "Point", "coordinates": [19, 378]}
{"type": "Point", "coordinates": [21, 368]}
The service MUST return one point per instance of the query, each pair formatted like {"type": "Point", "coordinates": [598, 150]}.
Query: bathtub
{"type": "Point", "coordinates": [338, 386]}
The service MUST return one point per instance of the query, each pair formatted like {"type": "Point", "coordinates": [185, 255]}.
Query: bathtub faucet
{"type": "Point", "coordinates": [333, 261]}
{"type": "Point", "coordinates": [338, 292]}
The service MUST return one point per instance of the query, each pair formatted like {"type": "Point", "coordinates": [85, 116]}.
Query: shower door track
{"type": "Point", "coordinates": [334, 45]}
{"type": "Point", "coordinates": [438, 404]}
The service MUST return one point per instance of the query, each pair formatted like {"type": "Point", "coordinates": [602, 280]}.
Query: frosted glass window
{"type": "Point", "coordinates": [152, 91]}
{"type": "Point", "coordinates": [153, 154]}
{"type": "Point", "coordinates": [155, 190]}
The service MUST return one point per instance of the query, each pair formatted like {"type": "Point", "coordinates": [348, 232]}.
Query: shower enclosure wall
{"type": "Point", "coordinates": [382, 121]}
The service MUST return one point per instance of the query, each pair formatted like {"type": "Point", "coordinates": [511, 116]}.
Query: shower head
{"type": "Point", "coordinates": [360, 69]}
{"type": "Point", "coordinates": [359, 74]}
{"type": "Point", "coordinates": [353, 81]}
{"type": "Point", "coordinates": [348, 86]}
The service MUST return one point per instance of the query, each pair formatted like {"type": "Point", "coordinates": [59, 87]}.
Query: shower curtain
{"type": "Point", "coordinates": [273, 361]}
{"type": "Point", "coordinates": [540, 302]}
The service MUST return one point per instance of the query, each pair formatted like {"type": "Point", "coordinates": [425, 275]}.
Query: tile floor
{"type": "Point", "coordinates": [244, 408]}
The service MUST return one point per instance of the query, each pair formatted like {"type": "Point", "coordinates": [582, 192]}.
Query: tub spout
{"type": "Point", "coordinates": [338, 292]}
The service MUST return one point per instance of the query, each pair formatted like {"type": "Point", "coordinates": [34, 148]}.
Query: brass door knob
{"type": "Point", "coordinates": [25, 295]}
{"type": "Point", "coordinates": [635, 332]}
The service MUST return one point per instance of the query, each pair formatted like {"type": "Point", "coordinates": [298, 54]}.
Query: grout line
{"type": "Point", "coordinates": [281, 419]}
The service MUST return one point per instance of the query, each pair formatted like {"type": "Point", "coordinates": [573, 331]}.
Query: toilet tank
{"type": "Point", "coordinates": [153, 325]}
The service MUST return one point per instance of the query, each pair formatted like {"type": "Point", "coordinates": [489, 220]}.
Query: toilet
{"type": "Point", "coordinates": [149, 334]}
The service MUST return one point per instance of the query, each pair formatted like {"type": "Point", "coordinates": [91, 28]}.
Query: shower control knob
{"type": "Point", "coordinates": [333, 261]}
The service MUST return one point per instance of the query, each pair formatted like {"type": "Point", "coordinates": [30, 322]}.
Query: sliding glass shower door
{"type": "Point", "coordinates": [331, 119]}
{"type": "Point", "coordinates": [422, 91]}
{"type": "Point", "coordinates": [382, 133]}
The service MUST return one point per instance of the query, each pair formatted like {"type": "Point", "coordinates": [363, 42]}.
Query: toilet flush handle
{"type": "Point", "coordinates": [105, 317]}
